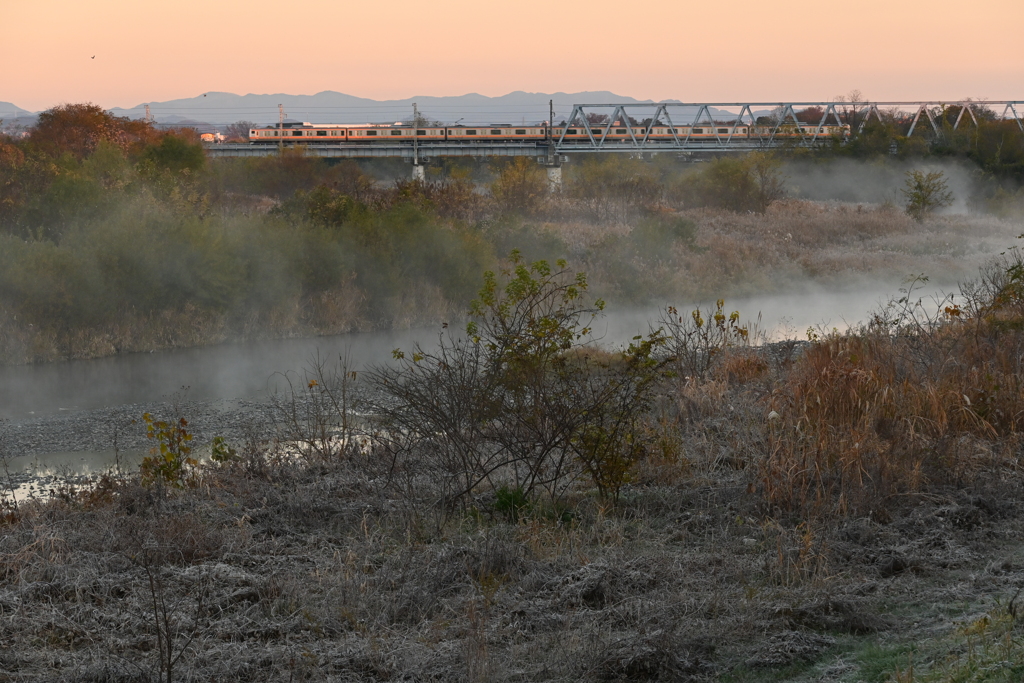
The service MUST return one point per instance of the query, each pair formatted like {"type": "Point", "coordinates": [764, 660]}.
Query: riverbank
{"type": "Point", "coordinates": [797, 246]}
{"type": "Point", "coordinates": [287, 564]}
{"type": "Point", "coordinates": [282, 570]}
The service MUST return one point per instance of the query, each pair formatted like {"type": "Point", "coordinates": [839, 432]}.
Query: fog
{"type": "Point", "coordinates": [877, 182]}
{"type": "Point", "coordinates": [259, 370]}
{"type": "Point", "coordinates": [241, 370]}
{"type": "Point", "coordinates": [288, 274]}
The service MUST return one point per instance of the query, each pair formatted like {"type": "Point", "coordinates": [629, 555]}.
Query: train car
{"type": "Point", "coordinates": [616, 132]}
{"type": "Point", "coordinates": [500, 132]}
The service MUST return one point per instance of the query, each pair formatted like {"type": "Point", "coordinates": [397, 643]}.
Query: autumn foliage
{"type": "Point", "coordinates": [77, 129]}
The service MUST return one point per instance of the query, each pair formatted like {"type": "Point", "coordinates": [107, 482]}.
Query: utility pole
{"type": "Point", "coordinates": [554, 168]}
{"type": "Point", "coordinates": [551, 119]}
{"type": "Point", "coordinates": [415, 135]}
{"type": "Point", "coordinates": [280, 127]}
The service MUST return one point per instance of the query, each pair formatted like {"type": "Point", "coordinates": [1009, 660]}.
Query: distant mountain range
{"type": "Point", "coordinates": [221, 108]}
{"type": "Point", "coordinates": [336, 107]}
{"type": "Point", "coordinates": [12, 115]}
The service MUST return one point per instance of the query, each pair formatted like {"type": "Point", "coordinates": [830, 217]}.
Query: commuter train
{"type": "Point", "coordinates": [372, 134]}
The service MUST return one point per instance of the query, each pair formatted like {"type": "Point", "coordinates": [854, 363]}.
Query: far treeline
{"type": "Point", "coordinates": [117, 236]}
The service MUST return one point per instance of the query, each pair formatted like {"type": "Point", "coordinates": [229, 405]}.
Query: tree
{"type": "Point", "coordinates": [925, 193]}
{"type": "Point", "coordinates": [810, 115]}
{"type": "Point", "coordinates": [525, 400]}
{"type": "Point", "coordinates": [176, 154]}
{"type": "Point", "coordinates": [520, 186]}
{"type": "Point", "coordinates": [752, 183]}
{"type": "Point", "coordinates": [765, 169]}
{"type": "Point", "coordinates": [238, 131]}
{"type": "Point", "coordinates": [77, 129]}
{"type": "Point", "coordinates": [614, 186]}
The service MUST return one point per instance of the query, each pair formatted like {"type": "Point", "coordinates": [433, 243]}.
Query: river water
{"type": "Point", "coordinates": [256, 370]}
{"type": "Point", "coordinates": [58, 417]}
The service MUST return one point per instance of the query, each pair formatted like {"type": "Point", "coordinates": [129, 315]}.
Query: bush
{"type": "Point", "coordinates": [175, 154]}
{"type": "Point", "coordinates": [524, 401]}
{"type": "Point", "coordinates": [520, 187]}
{"type": "Point", "coordinates": [170, 462]}
{"type": "Point", "coordinates": [752, 183]}
{"type": "Point", "coordinates": [925, 193]}
{"type": "Point", "coordinates": [613, 187]}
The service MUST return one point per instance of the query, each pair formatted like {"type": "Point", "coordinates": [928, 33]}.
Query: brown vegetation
{"type": "Point", "coordinates": [798, 511]}
{"type": "Point", "coordinates": [117, 237]}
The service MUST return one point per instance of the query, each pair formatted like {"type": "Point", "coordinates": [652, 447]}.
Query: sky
{"type": "Point", "coordinates": [120, 53]}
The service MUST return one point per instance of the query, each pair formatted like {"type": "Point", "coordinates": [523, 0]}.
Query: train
{"type": "Point", "coordinates": [402, 133]}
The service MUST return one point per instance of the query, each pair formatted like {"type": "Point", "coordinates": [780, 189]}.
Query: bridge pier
{"type": "Point", "coordinates": [419, 172]}
{"type": "Point", "coordinates": [554, 178]}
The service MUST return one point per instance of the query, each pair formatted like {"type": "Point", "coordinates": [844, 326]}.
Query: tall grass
{"type": "Point", "coordinates": [909, 401]}
{"type": "Point", "coordinates": [148, 276]}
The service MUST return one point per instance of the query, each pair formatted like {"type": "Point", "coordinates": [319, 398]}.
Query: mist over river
{"type": "Point", "coordinates": [258, 370]}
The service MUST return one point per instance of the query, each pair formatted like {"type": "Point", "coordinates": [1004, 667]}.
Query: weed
{"type": "Point", "coordinates": [511, 502]}
{"type": "Point", "coordinates": [170, 462]}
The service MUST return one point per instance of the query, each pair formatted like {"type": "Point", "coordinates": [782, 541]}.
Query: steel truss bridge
{"type": "Point", "coordinates": [772, 125]}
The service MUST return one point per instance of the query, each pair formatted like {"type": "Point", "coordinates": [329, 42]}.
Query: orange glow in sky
{"type": "Point", "coordinates": [689, 50]}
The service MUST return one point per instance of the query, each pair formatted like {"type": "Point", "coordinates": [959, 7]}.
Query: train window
{"type": "Point", "coordinates": [620, 131]}
{"type": "Point", "coordinates": [521, 132]}
{"type": "Point", "coordinates": [321, 132]}
{"type": "Point", "coordinates": [723, 130]}
{"type": "Point", "coordinates": [570, 131]}
{"type": "Point", "coordinates": [495, 131]}
{"type": "Point", "coordinates": [396, 132]}
{"type": "Point", "coordinates": [421, 132]}
{"type": "Point", "coordinates": [698, 131]}
{"type": "Point", "coordinates": [470, 132]}
{"type": "Point", "coordinates": [371, 132]}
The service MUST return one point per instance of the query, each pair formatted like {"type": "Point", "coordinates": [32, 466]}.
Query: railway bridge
{"type": "Point", "coordinates": [731, 126]}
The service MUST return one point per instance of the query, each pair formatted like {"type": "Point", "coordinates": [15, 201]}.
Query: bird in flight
{"type": "Point", "coordinates": [94, 56]}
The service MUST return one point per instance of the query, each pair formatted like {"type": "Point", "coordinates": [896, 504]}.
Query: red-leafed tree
{"type": "Point", "coordinates": [810, 115]}
{"type": "Point", "coordinates": [77, 129]}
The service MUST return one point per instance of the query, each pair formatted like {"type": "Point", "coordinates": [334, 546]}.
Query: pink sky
{"type": "Point", "coordinates": [693, 50]}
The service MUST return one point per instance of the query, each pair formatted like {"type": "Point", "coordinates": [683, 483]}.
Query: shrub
{"type": "Point", "coordinates": [170, 462]}
{"type": "Point", "coordinates": [523, 401]}
{"type": "Point", "coordinates": [925, 193]}
{"type": "Point", "coordinates": [520, 187]}
{"type": "Point", "coordinates": [696, 342]}
{"type": "Point", "coordinates": [175, 154]}
{"type": "Point", "coordinates": [752, 183]}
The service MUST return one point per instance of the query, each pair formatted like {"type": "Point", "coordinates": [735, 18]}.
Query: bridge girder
{"type": "Point", "coordinates": [785, 129]}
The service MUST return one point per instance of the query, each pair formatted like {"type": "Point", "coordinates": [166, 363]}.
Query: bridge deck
{"type": "Point", "coordinates": [492, 149]}
{"type": "Point", "coordinates": [781, 125]}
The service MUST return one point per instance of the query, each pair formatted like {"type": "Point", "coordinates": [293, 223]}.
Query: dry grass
{"type": "Point", "coordinates": [316, 569]}
{"type": "Point", "coordinates": [337, 311]}
{"type": "Point", "coordinates": [866, 417]}
{"type": "Point", "coordinates": [795, 244]}
{"type": "Point", "coordinates": [800, 503]}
